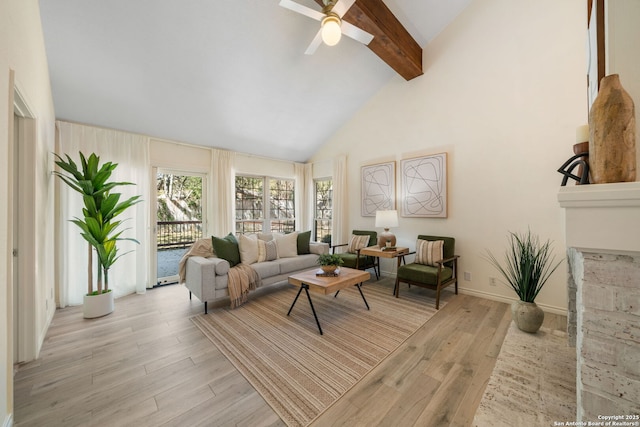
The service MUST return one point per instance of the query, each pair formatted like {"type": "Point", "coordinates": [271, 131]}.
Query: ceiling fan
{"type": "Point", "coordinates": [332, 26]}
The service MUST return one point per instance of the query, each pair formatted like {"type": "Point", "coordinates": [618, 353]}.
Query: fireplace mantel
{"type": "Point", "coordinates": [602, 217]}
{"type": "Point", "coordinates": [603, 319]}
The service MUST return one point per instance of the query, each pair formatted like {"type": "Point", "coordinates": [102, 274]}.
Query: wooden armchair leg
{"type": "Point", "coordinates": [396, 289]}
{"type": "Point", "coordinates": [455, 274]}
{"type": "Point", "coordinates": [438, 298]}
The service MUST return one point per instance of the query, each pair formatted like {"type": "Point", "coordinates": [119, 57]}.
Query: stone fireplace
{"type": "Point", "coordinates": [603, 250]}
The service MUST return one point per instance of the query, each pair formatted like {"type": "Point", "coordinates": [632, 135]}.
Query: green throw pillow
{"type": "Point", "coordinates": [303, 243]}
{"type": "Point", "coordinates": [227, 248]}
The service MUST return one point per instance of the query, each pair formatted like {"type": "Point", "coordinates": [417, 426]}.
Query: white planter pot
{"type": "Point", "coordinates": [98, 305]}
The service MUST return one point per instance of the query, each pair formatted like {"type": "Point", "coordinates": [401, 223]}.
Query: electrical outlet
{"type": "Point", "coordinates": [467, 276]}
{"type": "Point", "coordinates": [492, 281]}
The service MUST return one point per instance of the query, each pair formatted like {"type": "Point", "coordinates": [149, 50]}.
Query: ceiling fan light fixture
{"type": "Point", "coordinates": [331, 31]}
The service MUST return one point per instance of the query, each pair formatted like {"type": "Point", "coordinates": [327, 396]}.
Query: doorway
{"type": "Point", "coordinates": [16, 238]}
{"type": "Point", "coordinates": [22, 220]}
{"type": "Point", "coordinates": [179, 213]}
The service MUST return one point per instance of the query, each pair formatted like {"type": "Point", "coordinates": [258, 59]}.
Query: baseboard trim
{"type": "Point", "coordinates": [494, 297]}
{"type": "Point", "coordinates": [486, 295]}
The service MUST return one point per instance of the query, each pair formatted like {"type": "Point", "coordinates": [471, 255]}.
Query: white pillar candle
{"type": "Point", "coordinates": [582, 134]}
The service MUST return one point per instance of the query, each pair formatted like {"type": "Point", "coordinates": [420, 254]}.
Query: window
{"type": "Point", "coordinates": [323, 208]}
{"type": "Point", "coordinates": [252, 200]}
{"type": "Point", "coordinates": [282, 205]}
{"type": "Point", "coordinates": [249, 204]}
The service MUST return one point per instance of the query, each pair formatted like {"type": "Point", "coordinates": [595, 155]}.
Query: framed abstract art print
{"type": "Point", "coordinates": [378, 188]}
{"type": "Point", "coordinates": [424, 186]}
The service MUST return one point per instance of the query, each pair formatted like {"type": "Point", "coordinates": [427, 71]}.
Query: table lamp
{"type": "Point", "coordinates": [386, 220]}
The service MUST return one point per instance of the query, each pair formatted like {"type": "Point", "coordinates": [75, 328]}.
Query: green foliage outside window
{"type": "Point", "coordinates": [178, 192]}
{"type": "Point", "coordinates": [323, 209]}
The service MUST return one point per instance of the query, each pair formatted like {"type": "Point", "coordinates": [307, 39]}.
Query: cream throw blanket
{"type": "Point", "coordinates": [242, 277]}
{"type": "Point", "coordinates": [201, 247]}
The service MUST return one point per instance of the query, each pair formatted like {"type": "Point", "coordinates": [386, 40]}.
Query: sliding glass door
{"type": "Point", "coordinates": [179, 214]}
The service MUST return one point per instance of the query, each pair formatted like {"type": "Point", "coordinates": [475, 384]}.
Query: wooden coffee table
{"type": "Point", "coordinates": [308, 281]}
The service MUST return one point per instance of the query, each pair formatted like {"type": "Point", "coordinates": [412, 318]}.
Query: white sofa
{"type": "Point", "coordinates": [207, 278]}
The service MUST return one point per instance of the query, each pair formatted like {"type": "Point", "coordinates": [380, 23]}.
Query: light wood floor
{"type": "Point", "coordinates": [148, 365]}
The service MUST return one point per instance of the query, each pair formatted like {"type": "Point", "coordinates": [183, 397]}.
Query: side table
{"type": "Point", "coordinates": [378, 252]}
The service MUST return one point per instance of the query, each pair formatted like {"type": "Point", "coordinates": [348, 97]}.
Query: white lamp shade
{"type": "Point", "coordinates": [386, 219]}
{"type": "Point", "coordinates": [331, 31]}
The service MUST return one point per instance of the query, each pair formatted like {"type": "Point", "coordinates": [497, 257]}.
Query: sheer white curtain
{"type": "Point", "coordinates": [310, 197]}
{"type": "Point", "coordinates": [131, 152]}
{"type": "Point", "coordinates": [223, 190]}
{"type": "Point", "coordinates": [340, 201]}
{"type": "Point", "coordinates": [302, 195]}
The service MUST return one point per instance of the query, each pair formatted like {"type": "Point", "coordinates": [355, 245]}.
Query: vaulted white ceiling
{"type": "Point", "coordinates": [223, 73]}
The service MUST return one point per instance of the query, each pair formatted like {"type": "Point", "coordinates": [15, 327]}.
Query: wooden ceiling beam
{"type": "Point", "coordinates": [391, 41]}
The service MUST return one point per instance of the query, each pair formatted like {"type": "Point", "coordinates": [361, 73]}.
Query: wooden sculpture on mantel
{"type": "Point", "coordinates": [612, 139]}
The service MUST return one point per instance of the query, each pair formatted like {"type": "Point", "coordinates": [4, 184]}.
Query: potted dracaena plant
{"type": "Point", "coordinates": [528, 264]}
{"type": "Point", "coordinates": [98, 223]}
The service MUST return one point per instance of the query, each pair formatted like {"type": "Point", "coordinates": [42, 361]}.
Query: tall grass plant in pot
{"type": "Point", "coordinates": [527, 266]}
{"type": "Point", "coordinates": [98, 224]}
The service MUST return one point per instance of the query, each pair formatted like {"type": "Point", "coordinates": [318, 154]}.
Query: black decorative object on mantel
{"type": "Point", "coordinates": [567, 168]}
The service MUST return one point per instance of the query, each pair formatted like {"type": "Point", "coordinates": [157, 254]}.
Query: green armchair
{"type": "Point", "coordinates": [433, 274]}
{"type": "Point", "coordinates": [357, 261]}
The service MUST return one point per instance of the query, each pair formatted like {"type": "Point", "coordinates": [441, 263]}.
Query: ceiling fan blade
{"type": "Point", "coordinates": [317, 41]}
{"type": "Point", "coordinates": [304, 10]}
{"type": "Point", "coordinates": [342, 6]}
{"type": "Point", "coordinates": [356, 33]}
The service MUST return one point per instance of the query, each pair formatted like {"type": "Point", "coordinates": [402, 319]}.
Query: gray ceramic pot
{"type": "Point", "coordinates": [527, 316]}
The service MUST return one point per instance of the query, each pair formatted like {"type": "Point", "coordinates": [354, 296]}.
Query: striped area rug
{"type": "Point", "coordinates": [299, 372]}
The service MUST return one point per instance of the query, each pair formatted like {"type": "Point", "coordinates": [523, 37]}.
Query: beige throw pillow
{"type": "Point", "coordinates": [429, 251]}
{"type": "Point", "coordinates": [267, 237]}
{"type": "Point", "coordinates": [287, 244]}
{"type": "Point", "coordinates": [357, 242]}
{"type": "Point", "coordinates": [267, 251]}
{"type": "Point", "coordinates": [248, 245]}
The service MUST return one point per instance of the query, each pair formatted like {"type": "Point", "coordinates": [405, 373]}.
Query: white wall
{"type": "Point", "coordinates": [503, 92]}
{"type": "Point", "coordinates": [261, 166]}
{"type": "Point", "coordinates": [22, 50]}
{"type": "Point", "coordinates": [179, 157]}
